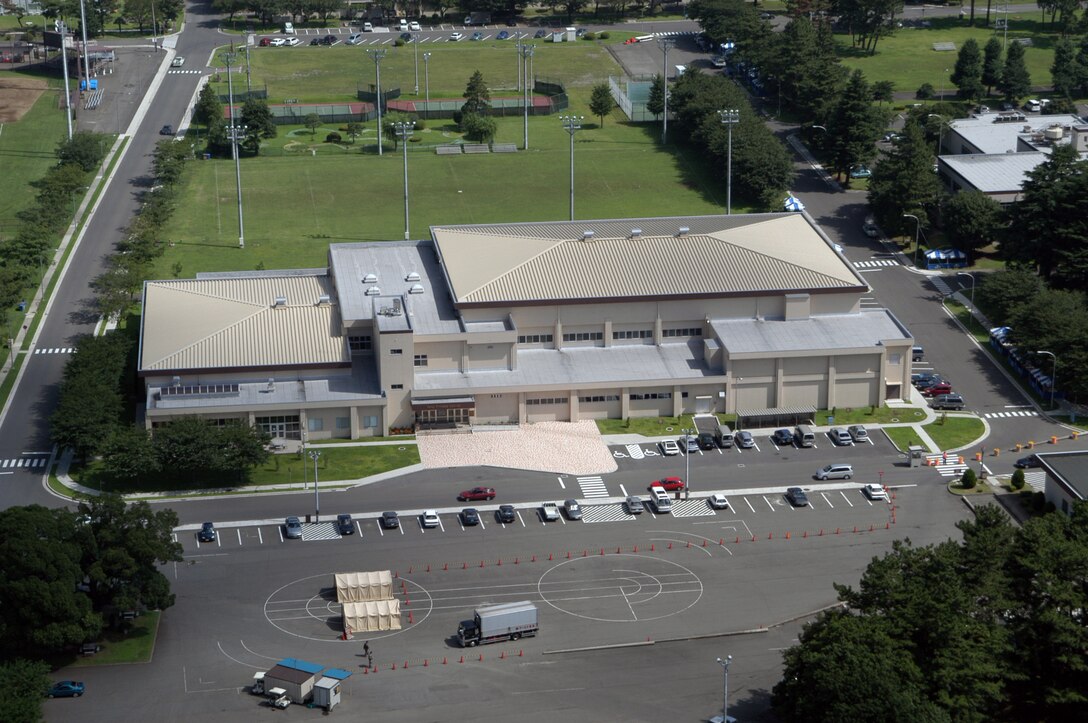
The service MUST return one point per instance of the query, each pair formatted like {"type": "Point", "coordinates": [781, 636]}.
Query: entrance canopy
{"type": "Point", "coordinates": [774, 417]}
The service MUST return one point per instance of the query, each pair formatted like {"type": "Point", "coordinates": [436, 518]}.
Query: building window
{"type": "Point", "coordinates": [599, 398]}
{"type": "Point", "coordinates": [397, 386]}
{"type": "Point", "coordinates": [496, 396]}
{"type": "Point", "coordinates": [547, 401]}
{"type": "Point", "coordinates": [634, 334]}
{"type": "Point", "coordinates": [370, 422]}
{"type": "Point", "coordinates": [535, 339]}
{"type": "Point", "coordinates": [359, 343]}
{"type": "Point", "coordinates": [421, 360]}
{"type": "Point", "coordinates": [343, 422]}
{"type": "Point", "coordinates": [584, 336]}
{"type": "Point", "coordinates": [697, 331]}
{"type": "Point", "coordinates": [315, 424]}
{"type": "Point", "coordinates": [396, 352]}
{"type": "Point", "coordinates": [651, 395]}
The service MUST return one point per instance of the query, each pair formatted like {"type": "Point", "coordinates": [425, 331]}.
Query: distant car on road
{"type": "Point", "coordinates": [178, 61]}
{"type": "Point", "coordinates": [166, 131]}
{"type": "Point", "coordinates": [797, 497]}
{"type": "Point", "coordinates": [390, 520]}
{"type": "Point", "coordinates": [406, 37]}
{"type": "Point", "coordinates": [840, 437]}
{"type": "Point", "coordinates": [634, 505]}
{"type": "Point", "coordinates": [414, 26]}
{"type": "Point", "coordinates": [292, 528]}
{"type": "Point", "coordinates": [315, 41]}
{"type": "Point", "coordinates": [66, 689]}
{"type": "Point", "coordinates": [293, 41]}
{"type": "Point", "coordinates": [947, 401]}
{"type": "Point", "coordinates": [429, 519]}
{"type": "Point", "coordinates": [265, 42]}
{"type": "Point", "coordinates": [718, 502]}
{"type": "Point", "coordinates": [860, 172]}
{"type": "Point", "coordinates": [477, 35]}
{"type": "Point", "coordinates": [1028, 462]}
{"type": "Point", "coordinates": [540, 33]}
{"type": "Point", "coordinates": [278, 42]}
{"type": "Point", "coordinates": [875, 492]}
{"type": "Point", "coordinates": [871, 230]}
{"type": "Point", "coordinates": [345, 525]}
{"type": "Point", "coordinates": [207, 532]}
{"type": "Point", "coordinates": [477, 494]}
{"type": "Point", "coordinates": [671, 484]}
{"type": "Point", "coordinates": [573, 510]}
{"type": "Point", "coordinates": [782, 437]}
{"type": "Point", "coordinates": [455, 37]}
{"type": "Point", "coordinates": [506, 513]}
{"type": "Point", "coordinates": [669, 448]}
{"type": "Point", "coordinates": [329, 40]}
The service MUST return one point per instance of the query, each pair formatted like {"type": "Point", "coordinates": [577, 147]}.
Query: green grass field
{"type": "Point", "coordinates": [134, 645]}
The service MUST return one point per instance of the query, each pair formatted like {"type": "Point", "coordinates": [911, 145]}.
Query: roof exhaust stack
{"type": "Point", "coordinates": [636, 232]}
{"type": "Point", "coordinates": [683, 231]}
{"type": "Point", "coordinates": [587, 235]}
{"type": "Point", "coordinates": [280, 302]}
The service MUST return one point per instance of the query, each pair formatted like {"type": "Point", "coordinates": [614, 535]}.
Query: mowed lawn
{"type": "Point", "coordinates": [908, 59]}
{"type": "Point", "coordinates": [27, 151]}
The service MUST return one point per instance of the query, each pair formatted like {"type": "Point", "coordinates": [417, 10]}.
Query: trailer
{"type": "Point", "coordinates": [492, 623]}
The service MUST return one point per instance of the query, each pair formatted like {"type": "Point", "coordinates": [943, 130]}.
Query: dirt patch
{"type": "Point", "coordinates": [18, 95]}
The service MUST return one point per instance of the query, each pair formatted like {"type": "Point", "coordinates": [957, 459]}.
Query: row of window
{"type": "Point", "coordinates": [552, 400]}
{"type": "Point", "coordinates": [317, 424]}
{"type": "Point", "coordinates": [584, 336]}
{"type": "Point", "coordinates": [634, 334]}
{"type": "Point", "coordinates": [651, 395]}
{"type": "Point", "coordinates": [599, 398]}
{"type": "Point", "coordinates": [682, 332]}
{"type": "Point", "coordinates": [359, 343]}
{"type": "Point", "coordinates": [535, 339]}
{"type": "Point", "coordinates": [365, 343]}
{"type": "Point", "coordinates": [421, 360]}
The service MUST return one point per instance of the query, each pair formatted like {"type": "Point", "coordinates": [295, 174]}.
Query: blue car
{"type": "Point", "coordinates": [503, 35]}
{"type": "Point", "coordinates": [66, 689]}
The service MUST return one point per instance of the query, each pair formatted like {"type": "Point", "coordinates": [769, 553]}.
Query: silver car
{"type": "Point", "coordinates": [840, 436]}
{"type": "Point", "coordinates": [634, 505]}
{"type": "Point", "coordinates": [292, 528]}
{"type": "Point", "coordinates": [858, 433]}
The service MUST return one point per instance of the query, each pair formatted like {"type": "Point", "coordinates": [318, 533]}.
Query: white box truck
{"type": "Point", "coordinates": [492, 623]}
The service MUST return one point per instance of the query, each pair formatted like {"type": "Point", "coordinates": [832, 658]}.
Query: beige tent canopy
{"type": "Point", "coordinates": [360, 586]}
{"type": "Point", "coordinates": [364, 617]}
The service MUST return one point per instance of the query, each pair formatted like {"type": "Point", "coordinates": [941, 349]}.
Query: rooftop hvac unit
{"type": "Point", "coordinates": [412, 276]}
{"type": "Point", "coordinates": [636, 232]}
{"type": "Point", "coordinates": [683, 230]}
{"type": "Point", "coordinates": [1054, 133]}
{"type": "Point", "coordinates": [324, 300]}
{"type": "Point", "coordinates": [416, 289]}
{"type": "Point", "coordinates": [396, 307]}
{"type": "Point", "coordinates": [373, 291]}
{"type": "Point", "coordinates": [279, 302]}
{"type": "Point", "coordinates": [370, 279]}
{"type": "Point", "coordinates": [587, 235]}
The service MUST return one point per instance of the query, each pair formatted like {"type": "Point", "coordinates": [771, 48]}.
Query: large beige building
{"type": "Point", "coordinates": [510, 323]}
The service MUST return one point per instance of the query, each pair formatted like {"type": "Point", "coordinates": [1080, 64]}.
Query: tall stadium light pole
{"type": "Point", "coordinates": [427, 76]}
{"type": "Point", "coordinates": [67, 90]}
{"type": "Point", "coordinates": [377, 55]}
{"type": "Point", "coordinates": [404, 130]}
{"type": "Point", "coordinates": [235, 133]}
{"type": "Point", "coordinates": [665, 43]}
{"type": "Point", "coordinates": [917, 229]}
{"type": "Point", "coordinates": [729, 119]}
{"type": "Point", "coordinates": [154, 28]}
{"type": "Point", "coordinates": [415, 43]}
{"type": "Point", "coordinates": [249, 87]}
{"type": "Point", "coordinates": [1053, 374]}
{"type": "Point", "coordinates": [86, 59]}
{"type": "Point", "coordinates": [725, 686]}
{"type": "Point", "coordinates": [517, 51]}
{"type": "Point", "coordinates": [572, 124]}
{"type": "Point", "coordinates": [527, 95]}
{"type": "Point", "coordinates": [315, 455]}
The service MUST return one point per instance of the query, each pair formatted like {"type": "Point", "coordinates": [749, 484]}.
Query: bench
{"type": "Point", "coordinates": [448, 150]}
{"type": "Point", "coordinates": [504, 147]}
{"type": "Point", "coordinates": [477, 148]}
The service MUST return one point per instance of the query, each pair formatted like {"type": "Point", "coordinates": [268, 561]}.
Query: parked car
{"type": "Point", "coordinates": [634, 505]}
{"type": "Point", "coordinates": [1029, 462]}
{"type": "Point", "coordinates": [414, 27]}
{"type": "Point", "coordinates": [706, 441]}
{"type": "Point", "coordinates": [390, 520]}
{"type": "Point", "coordinates": [689, 444]}
{"type": "Point", "coordinates": [549, 511]}
{"type": "Point", "coordinates": [355, 39]}
{"type": "Point", "coordinates": [455, 36]}
{"type": "Point", "coordinates": [659, 498]}
{"type": "Point", "coordinates": [477, 35]}
{"type": "Point", "coordinates": [744, 440]}
{"type": "Point", "coordinates": [838, 470]}
{"type": "Point", "coordinates": [937, 389]}
{"type": "Point", "coordinates": [580, 32]}
{"type": "Point", "coordinates": [207, 532]}
{"type": "Point", "coordinates": [345, 525]}
{"type": "Point", "coordinates": [503, 35]}
{"type": "Point", "coordinates": [797, 497]}
{"type": "Point", "coordinates": [542, 33]}
{"type": "Point", "coordinates": [506, 513]}
{"type": "Point", "coordinates": [316, 41]}
{"type": "Point", "coordinates": [668, 483]}
{"type": "Point", "coordinates": [429, 519]}
{"type": "Point", "coordinates": [860, 172]}
{"type": "Point", "coordinates": [278, 42]}
{"type": "Point", "coordinates": [871, 230]}
{"type": "Point", "coordinates": [719, 61]}
{"type": "Point", "coordinates": [265, 42]}
{"type": "Point", "coordinates": [406, 37]}
{"type": "Point", "coordinates": [178, 61]}
{"type": "Point", "coordinates": [718, 502]}
{"type": "Point", "coordinates": [477, 494]}
{"type": "Point", "coordinates": [368, 27]}
{"type": "Point", "coordinates": [670, 448]}
{"type": "Point", "coordinates": [66, 689]}
{"type": "Point", "coordinates": [858, 433]}
{"type": "Point", "coordinates": [926, 379]}
{"type": "Point", "coordinates": [573, 510]}
{"type": "Point", "coordinates": [782, 437]}
{"type": "Point", "coordinates": [292, 528]}
{"type": "Point", "coordinates": [293, 41]}
{"type": "Point", "coordinates": [166, 130]}
{"type": "Point", "coordinates": [470, 517]}
{"type": "Point", "coordinates": [875, 492]}
{"type": "Point", "coordinates": [329, 40]}
{"type": "Point", "coordinates": [947, 401]}
{"type": "Point", "coordinates": [840, 437]}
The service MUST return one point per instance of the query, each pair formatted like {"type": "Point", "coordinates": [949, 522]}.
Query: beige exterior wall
{"type": "Point", "coordinates": [851, 393]}
{"type": "Point", "coordinates": [650, 407]}
{"type": "Point", "coordinates": [497, 408]}
{"type": "Point", "coordinates": [602, 409]}
{"type": "Point", "coordinates": [440, 355]}
{"type": "Point", "coordinates": [394, 355]}
{"type": "Point", "coordinates": [488, 356]}
{"type": "Point", "coordinates": [327, 421]}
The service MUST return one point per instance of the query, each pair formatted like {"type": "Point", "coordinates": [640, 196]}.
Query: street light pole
{"type": "Point", "coordinates": [404, 131]}
{"type": "Point", "coordinates": [572, 124]}
{"type": "Point", "coordinates": [415, 44]}
{"type": "Point", "coordinates": [527, 51]}
{"type": "Point", "coordinates": [314, 455]}
{"type": "Point", "coordinates": [64, 65]}
{"type": "Point", "coordinates": [917, 228]}
{"type": "Point", "coordinates": [665, 44]}
{"type": "Point", "coordinates": [687, 462]}
{"type": "Point", "coordinates": [1053, 374]}
{"type": "Point", "coordinates": [235, 133]}
{"type": "Point", "coordinates": [729, 118]}
{"type": "Point", "coordinates": [427, 77]}
{"type": "Point", "coordinates": [725, 686]}
{"type": "Point", "coordinates": [86, 57]}
{"type": "Point", "coordinates": [377, 55]}
{"type": "Point", "coordinates": [964, 273]}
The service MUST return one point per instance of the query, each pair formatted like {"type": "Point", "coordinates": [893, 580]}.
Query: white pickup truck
{"type": "Point", "coordinates": [549, 511]}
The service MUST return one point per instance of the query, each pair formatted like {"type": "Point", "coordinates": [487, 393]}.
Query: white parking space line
{"type": "Point", "coordinates": [561, 485]}
{"type": "Point", "coordinates": [827, 500]}
{"type": "Point", "coordinates": [753, 509]}
{"type": "Point", "coordinates": [522, 519]}
{"type": "Point", "coordinates": [482, 526]}
{"type": "Point", "coordinates": [401, 528]}
{"type": "Point", "coordinates": [843, 493]}
{"type": "Point", "coordinates": [380, 530]}
{"type": "Point", "coordinates": [768, 504]}
{"type": "Point", "coordinates": [562, 518]}
{"type": "Point", "coordinates": [259, 535]}
{"type": "Point", "coordinates": [359, 527]}
{"type": "Point", "coordinates": [440, 525]}
{"type": "Point", "coordinates": [756, 445]}
{"type": "Point", "coordinates": [280, 531]}
{"type": "Point", "coordinates": [623, 492]}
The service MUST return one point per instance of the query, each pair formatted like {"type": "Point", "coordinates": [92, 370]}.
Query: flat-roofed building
{"type": "Point", "coordinates": [511, 323]}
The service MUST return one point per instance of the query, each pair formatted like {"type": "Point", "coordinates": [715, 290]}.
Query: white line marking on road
{"type": "Point", "coordinates": [768, 504]}
{"type": "Point", "coordinates": [841, 492]}
{"type": "Point", "coordinates": [753, 509]}
{"type": "Point", "coordinates": [561, 485]}
{"type": "Point", "coordinates": [260, 535]}
{"type": "Point", "coordinates": [521, 518]}
{"type": "Point", "coordinates": [239, 531]}
{"type": "Point", "coordinates": [380, 530]}
{"type": "Point", "coordinates": [401, 528]}
{"type": "Point", "coordinates": [623, 492]}
{"type": "Point", "coordinates": [440, 525]}
{"type": "Point", "coordinates": [827, 500]}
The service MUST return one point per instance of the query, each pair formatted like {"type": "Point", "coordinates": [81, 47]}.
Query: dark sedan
{"type": "Point", "coordinates": [66, 689]}
{"type": "Point", "coordinates": [470, 517]}
{"type": "Point", "coordinates": [345, 525]}
{"type": "Point", "coordinates": [1029, 462]}
{"type": "Point", "coordinates": [505, 513]}
{"type": "Point", "coordinates": [390, 521]}
{"type": "Point", "coordinates": [782, 437]}
{"type": "Point", "coordinates": [207, 532]}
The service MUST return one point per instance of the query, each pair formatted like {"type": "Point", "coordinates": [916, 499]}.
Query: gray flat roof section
{"type": "Point", "coordinates": [1070, 468]}
{"type": "Point", "coordinates": [392, 261]}
{"type": "Point", "coordinates": [361, 385]}
{"type": "Point", "coordinates": [990, 137]}
{"type": "Point", "coordinates": [998, 173]}
{"type": "Point", "coordinates": [864, 330]}
{"type": "Point", "coordinates": [574, 366]}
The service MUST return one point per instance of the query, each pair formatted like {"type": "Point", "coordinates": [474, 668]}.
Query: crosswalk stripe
{"type": "Point", "coordinates": [1006, 415]}
{"type": "Point", "coordinates": [24, 462]}
{"type": "Point", "coordinates": [54, 350]}
{"type": "Point", "coordinates": [692, 508]}
{"type": "Point", "coordinates": [635, 451]}
{"type": "Point", "coordinates": [320, 531]}
{"type": "Point", "coordinates": [592, 487]}
{"type": "Point", "coordinates": [874, 263]}
{"type": "Point", "coordinates": [606, 513]}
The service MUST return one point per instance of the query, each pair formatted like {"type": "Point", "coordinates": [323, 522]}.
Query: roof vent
{"type": "Point", "coordinates": [412, 276]}
{"type": "Point", "coordinates": [587, 235]}
{"type": "Point", "coordinates": [397, 310]}
{"type": "Point", "coordinates": [636, 232]}
{"type": "Point", "coordinates": [416, 289]}
{"type": "Point", "coordinates": [682, 231]}
{"type": "Point", "coordinates": [370, 279]}
{"type": "Point", "coordinates": [324, 300]}
{"type": "Point", "coordinates": [279, 302]}
{"type": "Point", "coordinates": [373, 291]}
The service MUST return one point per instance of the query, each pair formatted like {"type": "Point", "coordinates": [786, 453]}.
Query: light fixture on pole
{"type": "Point", "coordinates": [572, 124]}
{"type": "Point", "coordinates": [725, 686]}
{"type": "Point", "coordinates": [527, 52]}
{"type": "Point", "coordinates": [377, 56]}
{"type": "Point", "coordinates": [415, 47]}
{"type": "Point", "coordinates": [64, 65]}
{"type": "Point", "coordinates": [314, 455]}
{"type": "Point", "coordinates": [235, 133]}
{"type": "Point", "coordinates": [404, 130]}
{"type": "Point", "coordinates": [729, 118]}
{"type": "Point", "coordinates": [665, 44]}
{"type": "Point", "coordinates": [1053, 373]}
{"type": "Point", "coordinates": [517, 52]}
{"type": "Point", "coordinates": [427, 77]}
{"type": "Point", "coordinates": [970, 276]}
{"type": "Point", "coordinates": [917, 229]}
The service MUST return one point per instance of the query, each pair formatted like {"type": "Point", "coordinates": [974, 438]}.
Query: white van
{"type": "Point", "coordinates": [355, 38]}
{"type": "Point", "coordinates": [805, 436]}
{"type": "Point", "coordinates": [659, 498]}
{"type": "Point", "coordinates": [835, 471]}
{"type": "Point", "coordinates": [680, 70]}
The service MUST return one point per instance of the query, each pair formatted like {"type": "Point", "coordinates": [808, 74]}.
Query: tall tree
{"type": "Point", "coordinates": [904, 182]}
{"type": "Point", "coordinates": [24, 683]}
{"type": "Point", "coordinates": [853, 126]}
{"type": "Point", "coordinates": [1002, 291]}
{"type": "Point", "coordinates": [1065, 70]}
{"type": "Point", "coordinates": [601, 102]}
{"type": "Point", "coordinates": [967, 75]}
{"type": "Point", "coordinates": [655, 103]}
{"type": "Point", "coordinates": [972, 220]}
{"type": "Point", "coordinates": [992, 64]}
{"type": "Point", "coordinates": [1015, 79]}
{"type": "Point", "coordinates": [477, 96]}
{"type": "Point", "coordinates": [257, 119]}
{"type": "Point", "coordinates": [209, 108]}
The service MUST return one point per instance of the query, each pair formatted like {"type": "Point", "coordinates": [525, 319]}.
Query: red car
{"type": "Point", "coordinates": [940, 388]}
{"type": "Point", "coordinates": [477, 493]}
{"type": "Point", "coordinates": [265, 42]}
{"type": "Point", "coordinates": [669, 483]}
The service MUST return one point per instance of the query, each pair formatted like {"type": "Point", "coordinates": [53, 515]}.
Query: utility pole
{"type": "Point", "coordinates": [572, 124]}
{"type": "Point", "coordinates": [729, 118]}
{"type": "Point", "coordinates": [377, 55]}
{"type": "Point", "coordinates": [236, 133]}
{"type": "Point", "coordinates": [527, 93]}
{"type": "Point", "coordinates": [404, 131]}
{"type": "Point", "coordinates": [665, 43]}
{"type": "Point", "coordinates": [67, 90]}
